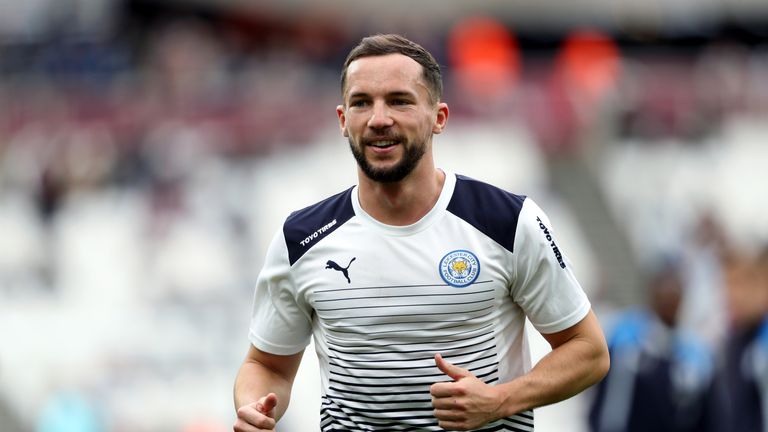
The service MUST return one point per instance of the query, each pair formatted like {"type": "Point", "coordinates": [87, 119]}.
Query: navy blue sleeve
{"type": "Point", "coordinates": [491, 210]}
{"type": "Point", "coordinates": [305, 228]}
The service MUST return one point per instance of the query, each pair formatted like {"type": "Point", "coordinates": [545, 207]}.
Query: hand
{"type": "Point", "coordinates": [258, 416]}
{"type": "Point", "coordinates": [466, 403]}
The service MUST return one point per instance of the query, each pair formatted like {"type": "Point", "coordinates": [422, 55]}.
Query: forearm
{"type": "Point", "coordinates": [576, 362]}
{"type": "Point", "coordinates": [559, 375]}
{"type": "Point", "coordinates": [254, 381]}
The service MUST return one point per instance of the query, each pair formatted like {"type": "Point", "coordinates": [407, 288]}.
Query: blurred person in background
{"type": "Point", "coordinates": [661, 376]}
{"type": "Point", "coordinates": [416, 283]}
{"type": "Point", "coordinates": [70, 410]}
{"type": "Point", "coordinates": [744, 376]}
{"type": "Point", "coordinates": [701, 310]}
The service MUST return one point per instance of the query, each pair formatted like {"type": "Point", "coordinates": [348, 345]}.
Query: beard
{"type": "Point", "coordinates": [411, 157]}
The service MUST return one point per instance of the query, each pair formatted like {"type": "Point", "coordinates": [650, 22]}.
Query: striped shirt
{"type": "Point", "coordinates": [380, 301]}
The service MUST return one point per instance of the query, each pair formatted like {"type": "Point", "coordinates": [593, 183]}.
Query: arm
{"type": "Point", "coordinates": [579, 358]}
{"type": "Point", "coordinates": [263, 389]}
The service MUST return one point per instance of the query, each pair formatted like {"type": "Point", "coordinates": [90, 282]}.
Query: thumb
{"type": "Point", "coordinates": [453, 371]}
{"type": "Point", "coordinates": [267, 404]}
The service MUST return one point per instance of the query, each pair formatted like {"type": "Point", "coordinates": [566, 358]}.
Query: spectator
{"type": "Point", "coordinates": [660, 376]}
{"type": "Point", "coordinates": [744, 376]}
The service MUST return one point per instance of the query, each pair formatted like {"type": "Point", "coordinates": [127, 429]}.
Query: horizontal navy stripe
{"type": "Point", "coordinates": [406, 331]}
{"type": "Point", "coordinates": [333, 350]}
{"type": "Point", "coordinates": [329, 407]}
{"type": "Point", "coordinates": [411, 367]}
{"type": "Point", "coordinates": [333, 415]}
{"type": "Point", "coordinates": [330, 336]}
{"type": "Point", "coordinates": [425, 384]}
{"type": "Point", "coordinates": [389, 393]}
{"type": "Point", "coordinates": [396, 286]}
{"type": "Point", "coordinates": [415, 315]}
{"type": "Point", "coordinates": [438, 342]}
{"type": "Point", "coordinates": [412, 359]}
{"type": "Point", "coordinates": [474, 370]}
{"type": "Point", "coordinates": [440, 294]}
{"type": "Point", "coordinates": [393, 323]}
{"type": "Point", "coordinates": [405, 305]}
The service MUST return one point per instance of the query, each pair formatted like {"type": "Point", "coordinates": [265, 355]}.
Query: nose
{"type": "Point", "coordinates": [380, 116]}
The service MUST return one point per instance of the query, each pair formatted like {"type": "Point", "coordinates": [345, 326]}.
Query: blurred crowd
{"type": "Point", "coordinates": [693, 357]}
{"type": "Point", "coordinates": [133, 194]}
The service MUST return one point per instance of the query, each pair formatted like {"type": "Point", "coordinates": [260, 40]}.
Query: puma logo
{"type": "Point", "coordinates": [344, 270]}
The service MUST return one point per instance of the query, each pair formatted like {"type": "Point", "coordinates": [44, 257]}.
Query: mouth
{"type": "Point", "coordinates": [382, 143]}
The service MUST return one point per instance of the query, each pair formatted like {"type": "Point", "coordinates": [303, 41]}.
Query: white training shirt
{"type": "Point", "coordinates": [381, 300]}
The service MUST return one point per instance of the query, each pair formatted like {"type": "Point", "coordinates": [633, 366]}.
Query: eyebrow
{"type": "Point", "coordinates": [399, 93]}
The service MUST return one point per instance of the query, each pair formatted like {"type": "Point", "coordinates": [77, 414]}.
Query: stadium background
{"type": "Point", "coordinates": [149, 149]}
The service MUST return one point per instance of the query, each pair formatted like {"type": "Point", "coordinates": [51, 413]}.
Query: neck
{"type": "Point", "coordinates": [404, 202]}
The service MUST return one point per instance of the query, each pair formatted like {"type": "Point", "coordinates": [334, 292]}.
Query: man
{"type": "Point", "coordinates": [416, 282]}
{"type": "Point", "coordinates": [662, 376]}
{"type": "Point", "coordinates": [743, 377]}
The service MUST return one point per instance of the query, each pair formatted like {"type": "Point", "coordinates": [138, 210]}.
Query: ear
{"type": "Point", "coordinates": [441, 119]}
{"type": "Point", "coordinates": [342, 120]}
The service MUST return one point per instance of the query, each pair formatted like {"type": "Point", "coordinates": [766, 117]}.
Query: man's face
{"type": "Point", "coordinates": [746, 293]}
{"type": "Point", "coordinates": [388, 116]}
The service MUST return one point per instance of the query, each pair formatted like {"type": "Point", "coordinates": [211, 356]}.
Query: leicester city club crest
{"type": "Point", "coordinates": [459, 268]}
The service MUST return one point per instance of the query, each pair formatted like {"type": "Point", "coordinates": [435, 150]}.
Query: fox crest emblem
{"type": "Point", "coordinates": [459, 267]}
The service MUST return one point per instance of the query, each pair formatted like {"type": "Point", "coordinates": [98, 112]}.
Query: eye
{"type": "Point", "coordinates": [358, 103]}
{"type": "Point", "coordinates": [400, 101]}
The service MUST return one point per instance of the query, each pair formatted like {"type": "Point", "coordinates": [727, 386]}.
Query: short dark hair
{"type": "Point", "coordinates": [383, 44]}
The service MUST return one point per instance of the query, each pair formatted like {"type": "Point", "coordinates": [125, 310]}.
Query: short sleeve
{"type": "Point", "coordinates": [280, 323]}
{"type": "Point", "coordinates": [544, 284]}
